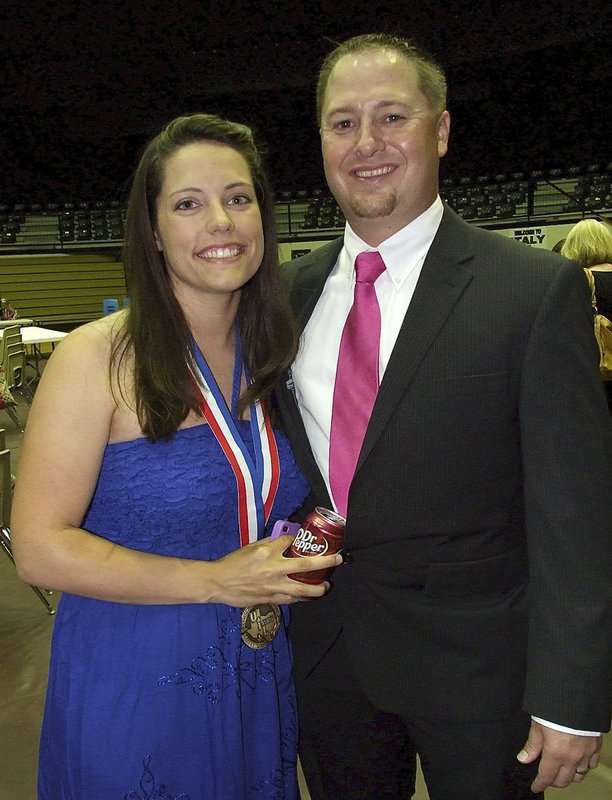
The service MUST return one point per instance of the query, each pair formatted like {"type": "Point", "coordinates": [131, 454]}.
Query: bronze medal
{"type": "Point", "coordinates": [260, 624]}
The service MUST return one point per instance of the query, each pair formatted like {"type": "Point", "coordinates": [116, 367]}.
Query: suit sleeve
{"type": "Point", "coordinates": [566, 444]}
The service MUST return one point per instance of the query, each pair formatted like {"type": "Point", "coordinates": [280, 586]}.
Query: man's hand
{"type": "Point", "coordinates": [565, 757]}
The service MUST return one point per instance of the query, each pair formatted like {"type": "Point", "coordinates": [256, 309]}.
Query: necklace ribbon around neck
{"type": "Point", "coordinates": [256, 482]}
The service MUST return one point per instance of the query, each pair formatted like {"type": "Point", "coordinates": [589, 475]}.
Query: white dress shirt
{"type": "Point", "coordinates": [314, 370]}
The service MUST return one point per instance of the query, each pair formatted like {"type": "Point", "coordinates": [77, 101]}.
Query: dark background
{"type": "Point", "coordinates": [84, 85]}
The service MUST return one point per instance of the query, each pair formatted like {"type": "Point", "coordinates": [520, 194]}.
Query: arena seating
{"type": "Point", "coordinates": [487, 200]}
{"type": "Point", "coordinates": [59, 260]}
{"type": "Point", "coordinates": [66, 226]}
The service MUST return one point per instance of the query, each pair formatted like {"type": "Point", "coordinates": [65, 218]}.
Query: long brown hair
{"type": "Point", "coordinates": [156, 330]}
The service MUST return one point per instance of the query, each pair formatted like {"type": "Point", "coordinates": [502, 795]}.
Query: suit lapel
{"type": "Point", "coordinates": [305, 282]}
{"type": "Point", "coordinates": [309, 280]}
{"type": "Point", "coordinates": [444, 276]}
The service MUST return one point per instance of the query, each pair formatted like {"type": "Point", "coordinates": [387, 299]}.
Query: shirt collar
{"type": "Point", "coordinates": [415, 239]}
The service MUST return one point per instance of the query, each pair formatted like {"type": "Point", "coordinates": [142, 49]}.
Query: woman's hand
{"type": "Point", "coordinates": [258, 573]}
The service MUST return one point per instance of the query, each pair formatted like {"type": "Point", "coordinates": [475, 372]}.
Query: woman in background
{"type": "Point", "coordinates": [590, 244]}
{"type": "Point", "coordinates": [150, 473]}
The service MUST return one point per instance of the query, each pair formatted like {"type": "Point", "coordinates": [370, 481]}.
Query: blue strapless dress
{"type": "Point", "coordinates": [166, 702]}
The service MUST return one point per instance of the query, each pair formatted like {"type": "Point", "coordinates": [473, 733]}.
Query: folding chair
{"type": "Point", "coordinates": [15, 371]}
{"type": "Point", "coordinates": [6, 491]}
{"type": "Point", "coordinates": [7, 401]}
{"type": "Point", "coordinates": [11, 335]}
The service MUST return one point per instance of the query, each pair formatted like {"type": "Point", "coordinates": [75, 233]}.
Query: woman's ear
{"type": "Point", "coordinates": [158, 242]}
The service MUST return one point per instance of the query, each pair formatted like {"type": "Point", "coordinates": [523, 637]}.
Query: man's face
{"type": "Point", "coordinates": [381, 143]}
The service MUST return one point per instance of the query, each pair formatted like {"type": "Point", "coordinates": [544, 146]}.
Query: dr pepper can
{"type": "Point", "coordinates": [322, 533]}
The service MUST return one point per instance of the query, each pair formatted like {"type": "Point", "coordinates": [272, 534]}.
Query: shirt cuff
{"type": "Point", "coordinates": [563, 729]}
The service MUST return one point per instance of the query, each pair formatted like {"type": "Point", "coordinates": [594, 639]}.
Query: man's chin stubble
{"type": "Point", "coordinates": [371, 208]}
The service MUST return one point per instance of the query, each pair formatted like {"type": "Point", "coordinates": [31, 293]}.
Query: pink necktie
{"type": "Point", "coordinates": [356, 378]}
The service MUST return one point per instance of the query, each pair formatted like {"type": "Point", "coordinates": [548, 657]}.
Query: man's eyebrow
{"type": "Point", "coordinates": [379, 104]}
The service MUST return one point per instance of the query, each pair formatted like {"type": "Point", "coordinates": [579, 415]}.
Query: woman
{"type": "Point", "coordinates": [149, 475]}
{"type": "Point", "coordinates": [590, 244]}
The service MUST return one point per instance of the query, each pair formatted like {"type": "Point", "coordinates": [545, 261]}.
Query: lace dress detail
{"type": "Point", "coordinates": [166, 701]}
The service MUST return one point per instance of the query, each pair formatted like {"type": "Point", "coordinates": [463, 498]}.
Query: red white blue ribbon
{"type": "Point", "coordinates": [257, 482]}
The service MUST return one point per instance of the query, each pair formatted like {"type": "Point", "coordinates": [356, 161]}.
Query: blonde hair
{"type": "Point", "coordinates": [589, 243]}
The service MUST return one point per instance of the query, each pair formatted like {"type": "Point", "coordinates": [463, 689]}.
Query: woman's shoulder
{"type": "Point", "coordinates": [87, 350]}
{"type": "Point", "coordinates": [98, 335]}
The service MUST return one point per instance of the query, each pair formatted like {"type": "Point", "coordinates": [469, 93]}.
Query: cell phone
{"type": "Point", "coordinates": [283, 527]}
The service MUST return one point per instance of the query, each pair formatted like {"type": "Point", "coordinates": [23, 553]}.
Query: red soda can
{"type": "Point", "coordinates": [322, 533]}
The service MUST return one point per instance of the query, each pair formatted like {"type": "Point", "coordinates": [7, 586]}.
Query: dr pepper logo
{"type": "Point", "coordinates": [307, 544]}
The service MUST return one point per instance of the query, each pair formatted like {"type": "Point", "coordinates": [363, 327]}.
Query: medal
{"type": "Point", "coordinates": [260, 624]}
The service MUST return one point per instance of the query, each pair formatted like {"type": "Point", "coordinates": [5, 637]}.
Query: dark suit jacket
{"type": "Point", "coordinates": [479, 519]}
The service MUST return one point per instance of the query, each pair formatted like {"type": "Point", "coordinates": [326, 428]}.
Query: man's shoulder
{"type": "Point", "coordinates": [488, 243]}
{"type": "Point", "coordinates": [321, 257]}
{"type": "Point", "coordinates": [325, 251]}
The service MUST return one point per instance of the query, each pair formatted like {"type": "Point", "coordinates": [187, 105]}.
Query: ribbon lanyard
{"type": "Point", "coordinates": [257, 482]}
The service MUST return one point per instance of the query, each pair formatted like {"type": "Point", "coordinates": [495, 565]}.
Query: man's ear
{"type": "Point", "coordinates": [443, 133]}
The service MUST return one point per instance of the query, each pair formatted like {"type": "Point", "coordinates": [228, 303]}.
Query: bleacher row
{"type": "Point", "coordinates": [61, 290]}
{"type": "Point", "coordinates": [61, 226]}
{"type": "Point", "coordinates": [484, 200]}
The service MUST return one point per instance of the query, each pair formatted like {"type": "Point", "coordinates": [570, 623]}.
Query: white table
{"type": "Point", "coordinates": [33, 336]}
{"type": "Point", "coordinates": [5, 323]}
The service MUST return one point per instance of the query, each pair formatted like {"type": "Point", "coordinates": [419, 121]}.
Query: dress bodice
{"type": "Point", "coordinates": [178, 496]}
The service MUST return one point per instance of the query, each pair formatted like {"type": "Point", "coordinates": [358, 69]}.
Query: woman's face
{"type": "Point", "coordinates": [208, 222]}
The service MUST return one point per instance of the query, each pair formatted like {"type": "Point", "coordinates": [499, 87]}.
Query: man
{"type": "Point", "coordinates": [477, 592]}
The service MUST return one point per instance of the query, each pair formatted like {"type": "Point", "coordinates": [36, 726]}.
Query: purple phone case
{"type": "Point", "coordinates": [283, 526]}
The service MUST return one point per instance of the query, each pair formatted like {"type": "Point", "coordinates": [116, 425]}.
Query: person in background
{"type": "Point", "coordinates": [7, 311]}
{"type": "Point", "coordinates": [150, 472]}
{"type": "Point", "coordinates": [472, 623]}
{"type": "Point", "coordinates": [590, 244]}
